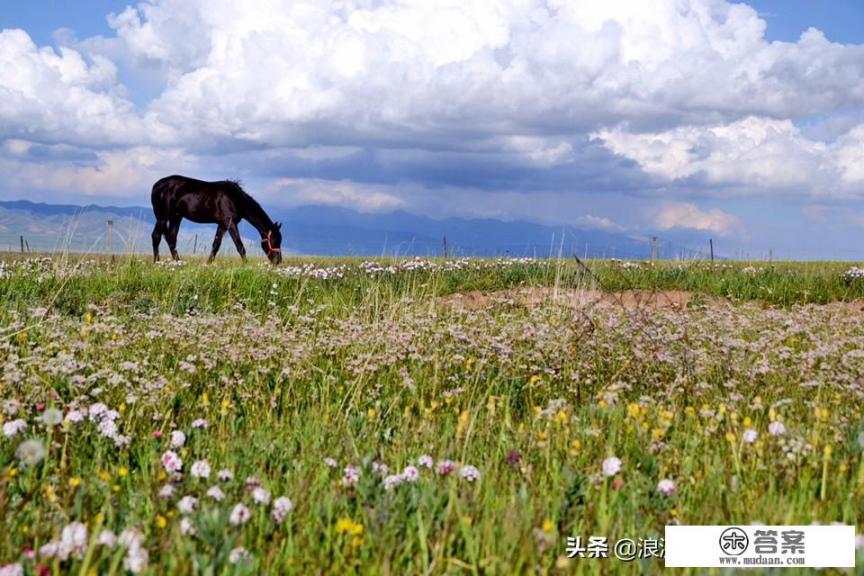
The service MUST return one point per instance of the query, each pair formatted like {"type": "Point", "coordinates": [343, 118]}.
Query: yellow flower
{"type": "Point", "coordinates": [462, 424]}
{"type": "Point", "coordinates": [99, 518]}
{"type": "Point", "coordinates": [827, 451]}
{"type": "Point", "coordinates": [548, 526]}
{"type": "Point", "coordinates": [747, 422]}
{"type": "Point", "coordinates": [349, 527]}
{"type": "Point", "coordinates": [104, 476]}
{"type": "Point", "coordinates": [371, 414]}
{"type": "Point", "coordinates": [561, 417]}
{"type": "Point", "coordinates": [74, 482]}
{"type": "Point", "coordinates": [161, 521]}
{"type": "Point", "coordinates": [116, 488]}
{"type": "Point", "coordinates": [50, 493]}
{"type": "Point", "coordinates": [205, 400]}
{"type": "Point", "coordinates": [534, 379]}
{"type": "Point", "coordinates": [226, 404]}
{"type": "Point", "coordinates": [123, 472]}
{"type": "Point", "coordinates": [730, 437]}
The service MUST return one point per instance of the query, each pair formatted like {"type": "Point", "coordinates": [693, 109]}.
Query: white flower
{"type": "Point", "coordinates": [167, 491]}
{"type": "Point", "coordinates": [108, 428]}
{"type": "Point", "coordinates": [73, 541]}
{"type": "Point", "coordinates": [187, 504]}
{"type": "Point", "coordinates": [350, 476]}
{"type": "Point", "coordinates": [225, 475]}
{"type": "Point", "coordinates": [392, 481]}
{"type": "Point", "coordinates": [171, 461]}
{"type": "Point", "coordinates": [200, 469]}
{"type": "Point", "coordinates": [106, 538]}
{"type": "Point", "coordinates": [12, 569]}
{"type": "Point", "coordinates": [96, 411]}
{"type": "Point", "coordinates": [200, 423]}
{"type": "Point", "coordinates": [425, 461]}
{"type": "Point", "coordinates": [216, 493]}
{"type": "Point", "coordinates": [666, 487]}
{"type": "Point", "coordinates": [178, 439]}
{"type": "Point", "coordinates": [380, 468]}
{"type": "Point", "coordinates": [239, 515]}
{"type": "Point", "coordinates": [750, 436]}
{"type": "Point", "coordinates": [74, 416]}
{"type": "Point", "coordinates": [30, 452]}
{"type": "Point", "coordinates": [52, 417]}
{"type": "Point", "coordinates": [186, 527]}
{"type": "Point", "coordinates": [611, 466]}
{"type": "Point", "coordinates": [281, 507]}
{"type": "Point", "coordinates": [410, 474]}
{"type": "Point", "coordinates": [136, 559]}
{"type": "Point", "coordinates": [14, 427]}
{"type": "Point", "coordinates": [469, 473]}
{"type": "Point", "coordinates": [130, 537]}
{"type": "Point", "coordinates": [776, 428]}
{"type": "Point", "coordinates": [261, 496]}
{"type": "Point", "coordinates": [239, 554]}
{"type": "Point", "coordinates": [330, 462]}
{"type": "Point", "coordinates": [49, 550]}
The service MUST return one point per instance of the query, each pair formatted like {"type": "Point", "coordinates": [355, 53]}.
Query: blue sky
{"type": "Point", "coordinates": [683, 118]}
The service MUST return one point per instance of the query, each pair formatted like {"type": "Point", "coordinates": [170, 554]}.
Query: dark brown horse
{"type": "Point", "coordinates": [223, 203]}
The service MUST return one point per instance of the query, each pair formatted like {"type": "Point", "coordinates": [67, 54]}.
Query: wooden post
{"type": "Point", "coordinates": [22, 243]}
{"type": "Point", "coordinates": [445, 246]}
{"type": "Point", "coordinates": [108, 236]}
{"type": "Point", "coordinates": [711, 246]}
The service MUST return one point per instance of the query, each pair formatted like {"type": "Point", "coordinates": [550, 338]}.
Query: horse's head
{"type": "Point", "coordinates": [272, 243]}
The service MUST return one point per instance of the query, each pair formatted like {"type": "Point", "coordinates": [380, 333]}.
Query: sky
{"type": "Point", "coordinates": [742, 122]}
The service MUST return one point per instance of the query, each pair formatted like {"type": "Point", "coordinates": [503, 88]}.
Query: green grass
{"type": "Point", "coordinates": [364, 369]}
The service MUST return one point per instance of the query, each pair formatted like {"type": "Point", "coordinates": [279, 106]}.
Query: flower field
{"type": "Point", "coordinates": [339, 416]}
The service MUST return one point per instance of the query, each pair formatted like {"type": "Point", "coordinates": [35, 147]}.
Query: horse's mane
{"type": "Point", "coordinates": [250, 203]}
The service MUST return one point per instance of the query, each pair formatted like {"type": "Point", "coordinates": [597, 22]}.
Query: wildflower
{"type": "Point", "coordinates": [425, 461]}
{"type": "Point", "coordinates": [252, 482]}
{"type": "Point", "coordinates": [96, 411]}
{"type": "Point", "coordinates": [73, 541]}
{"type": "Point", "coordinates": [106, 538]}
{"type": "Point", "coordinates": [330, 463]}
{"type": "Point", "coordinates": [186, 527]}
{"type": "Point", "coordinates": [238, 555]}
{"type": "Point", "coordinates": [225, 475]}
{"type": "Point", "coordinates": [410, 474]}
{"type": "Point", "coordinates": [52, 417]}
{"type": "Point", "coordinates": [12, 569]}
{"type": "Point", "coordinates": [514, 458]}
{"type": "Point", "coordinates": [261, 496]}
{"type": "Point", "coordinates": [157, 434]}
{"type": "Point", "coordinates": [392, 481]}
{"type": "Point", "coordinates": [239, 515]}
{"type": "Point", "coordinates": [348, 526]}
{"type": "Point", "coordinates": [200, 423]}
{"type": "Point", "coordinates": [187, 504]}
{"type": "Point", "coordinates": [469, 473]}
{"type": "Point", "coordinates": [611, 466]}
{"type": "Point", "coordinates": [776, 428]}
{"type": "Point", "coordinates": [178, 439]}
{"type": "Point", "coordinates": [445, 467]}
{"type": "Point", "coordinates": [200, 469]}
{"type": "Point", "coordinates": [171, 461]}
{"type": "Point", "coordinates": [666, 487]}
{"type": "Point", "coordinates": [49, 550]}
{"type": "Point", "coordinates": [74, 416]}
{"type": "Point", "coordinates": [351, 475]}
{"type": "Point", "coordinates": [14, 427]}
{"type": "Point", "coordinates": [136, 559]}
{"type": "Point", "coordinates": [750, 436]}
{"type": "Point", "coordinates": [282, 506]}
{"type": "Point", "coordinates": [216, 493]}
{"type": "Point", "coordinates": [30, 452]}
{"type": "Point", "coordinates": [167, 491]}
{"type": "Point", "coordinates": [380, 468]}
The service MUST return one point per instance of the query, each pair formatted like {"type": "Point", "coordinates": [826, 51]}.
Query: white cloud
{"type": "Point", "coordinates": [689, 216]}
{"type": "Point", "coordinates": [756, 154]}
{"type": "Point", "coordinates": [360, 197]}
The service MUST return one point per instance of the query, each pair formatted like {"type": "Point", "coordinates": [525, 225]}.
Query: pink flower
{"type": "Point", "coordinates": [469, 473]}
{"type": "Point", "coordinates": [216, 493]}
{"type": "Point", "coordinates": [445, 467]}
{"type": "Point", "coordinates": [187, 504]}
{"type": "Point", "coordinates": [351, 475]}
{"type": "Point", "coordinates": [666, 487]}
{"type": "Point", "coordinates": [282, 506]}
{"type": "Point", "coordinates": [425, 461]}
{"type": "Point", "coordinates": [239, 515]}
{"type": "Point", "coordinates": [200, 469]}
{"type": "Point", "coordinates": [172, 461]}
{"type": "Point", "coordinates": [410, 474]}
{"type": "Point", "coordinates": [178, 439]}
{"type": "Point", "coordinates": [157, 434]}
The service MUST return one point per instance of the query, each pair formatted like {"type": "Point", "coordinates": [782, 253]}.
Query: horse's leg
{"type": "Point", "coordinates": [157, 238]}
{"type": "Point", "coordinates": [171, 236]}
{"type": "Point", "coordinates": [235, 235]}
{"type": "Point", "coordinates": [217, 241]}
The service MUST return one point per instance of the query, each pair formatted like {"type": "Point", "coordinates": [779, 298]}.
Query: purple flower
{"type": "Point", "coordinates": [469, 473]}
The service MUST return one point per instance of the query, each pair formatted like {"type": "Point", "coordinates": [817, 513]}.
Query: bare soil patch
{"type": "Point", "coordinates": [577, 298]}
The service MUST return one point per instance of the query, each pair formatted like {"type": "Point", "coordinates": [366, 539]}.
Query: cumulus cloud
{"type": "Point", "coordinates": [363, 198]}
{"type": "Point", "coordinates": [756, 154]}
{"type": "Point", "coordinates": [690, 217]}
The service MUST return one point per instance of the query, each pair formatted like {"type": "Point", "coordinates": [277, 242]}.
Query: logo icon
{"type": "Point", "coordinates": [734, 541]}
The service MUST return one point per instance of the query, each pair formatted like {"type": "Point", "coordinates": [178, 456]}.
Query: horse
{"type": "Point", "coordinates": [223, 203]}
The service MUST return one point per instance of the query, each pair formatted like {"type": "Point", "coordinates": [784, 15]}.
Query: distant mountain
{"type": "Point", "coordinates": [321, 230]}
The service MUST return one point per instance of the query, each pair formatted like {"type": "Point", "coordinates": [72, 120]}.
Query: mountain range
{"type": "Point", "coordinates": [319, 230]}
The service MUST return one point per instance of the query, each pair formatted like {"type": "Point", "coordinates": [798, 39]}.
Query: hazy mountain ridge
{"type": "Point", "coordinates": [320, 230]}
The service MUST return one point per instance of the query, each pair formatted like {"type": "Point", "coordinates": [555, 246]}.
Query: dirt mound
{"type": "Point", "coordinates": [575, 298]}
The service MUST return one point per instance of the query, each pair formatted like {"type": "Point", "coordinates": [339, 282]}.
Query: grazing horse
{"type": "Point", "coordinates": [224, 203]}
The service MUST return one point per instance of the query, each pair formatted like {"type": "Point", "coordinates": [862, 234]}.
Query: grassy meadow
{"type": "Point", "coordinates": [338, 416]}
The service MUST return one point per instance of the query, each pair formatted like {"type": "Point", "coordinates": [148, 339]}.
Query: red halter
{"type": "Point", "coordinates": [270, 249]}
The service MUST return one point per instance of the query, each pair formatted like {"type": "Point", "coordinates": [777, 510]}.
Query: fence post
{"type": "Point", "coordinates": [22, 243]}
{"type": "Point", "coordinates": [711, 246]}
